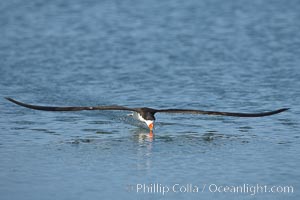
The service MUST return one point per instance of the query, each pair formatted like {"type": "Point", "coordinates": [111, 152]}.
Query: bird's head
{"type": "Point", "coordinates": [147, 116]}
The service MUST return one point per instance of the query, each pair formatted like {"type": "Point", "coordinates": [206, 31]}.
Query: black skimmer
{"type": "Point", "coordinates": [145, 114]}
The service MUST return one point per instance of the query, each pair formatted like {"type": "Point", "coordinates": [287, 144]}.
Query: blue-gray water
{"type": "Point", "coordinates": [231, 55]}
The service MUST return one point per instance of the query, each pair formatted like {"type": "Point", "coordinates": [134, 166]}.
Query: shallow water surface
{"type": "Point", "coordinates": [240, 56]}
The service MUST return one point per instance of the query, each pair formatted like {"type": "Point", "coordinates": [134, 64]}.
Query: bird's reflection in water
{"type": "Point", "coordinates": [144, 151]}
{"type": "Point", "coordinates": [143, 136]}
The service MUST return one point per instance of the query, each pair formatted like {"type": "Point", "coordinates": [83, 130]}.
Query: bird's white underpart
{"type": "Point", "coordinates": [140, 118]}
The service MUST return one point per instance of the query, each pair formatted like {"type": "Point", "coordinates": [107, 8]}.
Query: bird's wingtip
{"type": "Point", "coordinates": [283, 109]}
{"type": "Point", "coordinates": [8, 98]}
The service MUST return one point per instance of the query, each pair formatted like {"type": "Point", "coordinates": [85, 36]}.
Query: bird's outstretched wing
{"type": "Point", "coordinates": [233, 114]}
{"type": "Point", "coordinates": [71, 108]}
{"type": "Point", "coordinates": [187, 111]}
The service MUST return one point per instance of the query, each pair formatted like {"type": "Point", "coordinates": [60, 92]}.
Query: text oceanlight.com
{"type": "Point", "coordinates": [163, 189]}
